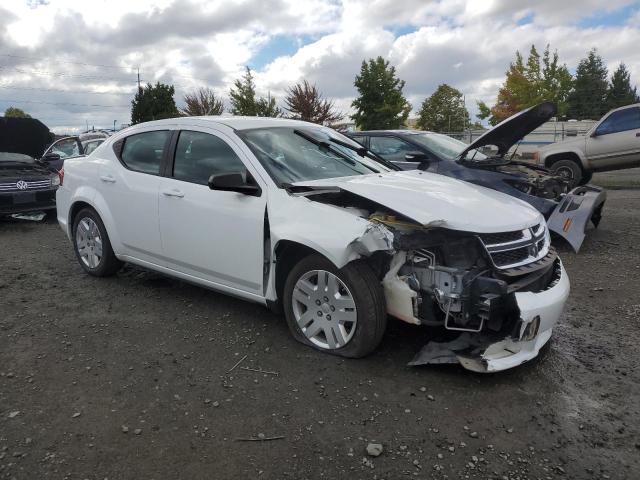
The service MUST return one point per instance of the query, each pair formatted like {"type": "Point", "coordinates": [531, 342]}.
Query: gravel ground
{"type": "Point", "coordinates": [131, 377]}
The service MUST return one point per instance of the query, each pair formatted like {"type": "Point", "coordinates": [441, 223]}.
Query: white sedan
{"type": "Point", "coordinates": [300, 218]}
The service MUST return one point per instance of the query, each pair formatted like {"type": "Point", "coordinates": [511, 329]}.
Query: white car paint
{"type": "Point", "coordinates": [216, 238]}
{"type": "Point", "coordinates": [428, 197]}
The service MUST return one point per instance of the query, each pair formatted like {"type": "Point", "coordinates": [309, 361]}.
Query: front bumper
{"type": "Point", "coordinates": [570, 218]}
{"type": "Point", "coordinates": [25, 202]}
{"type": "Point", "coordinates": [539, 312]}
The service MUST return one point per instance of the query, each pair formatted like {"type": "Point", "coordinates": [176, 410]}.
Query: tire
{"type": "Point", "coordinates": [92, 246]}
{"type": "Point", "coordinates": [570, 170]}
{"type": "Point", "coordinates": [586, 177]}
{"type": "Point", "coordinates": [357, 285]}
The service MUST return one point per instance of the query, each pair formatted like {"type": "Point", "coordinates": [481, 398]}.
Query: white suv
{"type": "Point", "coordinates": [300, 218]}
{"type": "Point", "coordinates": [612, 144]}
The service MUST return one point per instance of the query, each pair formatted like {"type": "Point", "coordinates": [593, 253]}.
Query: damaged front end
{"type": "Point", "coordinates": [493, 298]}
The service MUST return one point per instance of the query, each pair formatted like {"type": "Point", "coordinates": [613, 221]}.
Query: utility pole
{"type": "Point", "coordinates": [139, 89]}
{"type": "Point", "coordinates": [114, 126]}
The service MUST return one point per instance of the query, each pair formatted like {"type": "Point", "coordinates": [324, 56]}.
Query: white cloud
{"type": "Point", "coordinates": [467, 44]}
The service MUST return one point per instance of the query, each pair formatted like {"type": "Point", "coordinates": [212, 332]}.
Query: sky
{"type": "Point", "coordinates": [73, 63]}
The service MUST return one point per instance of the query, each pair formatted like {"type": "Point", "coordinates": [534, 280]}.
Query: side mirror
{"type": "Point", "coordinates": [417, 157]}
{"type": "Point", "coordinates": [51, 157]}
{"type": "Point", "coordinates": [234, 182]}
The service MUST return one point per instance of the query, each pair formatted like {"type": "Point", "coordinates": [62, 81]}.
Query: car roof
{"type": "Point", "coordinates": [235, 122]}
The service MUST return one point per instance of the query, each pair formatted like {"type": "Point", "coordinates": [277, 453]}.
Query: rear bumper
{"type": "Point", "coordinates": [572, 215]}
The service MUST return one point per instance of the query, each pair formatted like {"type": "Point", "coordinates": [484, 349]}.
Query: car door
{"type": "Point", "coordinates": [216, 236]}
{"type": "Point", "coordinates": [395, 150]}
{"type": "Point", "coordinates": [130, 185]}
{"type": "Point", "coordinates": [615, 143]}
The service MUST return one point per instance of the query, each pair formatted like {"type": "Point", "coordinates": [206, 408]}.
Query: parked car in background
{"type": "Point", "coordinates": [298, 217]}
{"type": "Point", "coordinates": [26, 185]}
{"type": "Point", "coordinates": [611, 144]}
{"type": "Point", "coordinates": [69, 147]}
{"type": "Point", "coordinates": [567, 212]}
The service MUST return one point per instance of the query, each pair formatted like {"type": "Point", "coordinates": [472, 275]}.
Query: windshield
{"type": "Point", "coordinates": [307, 153]}
{"type": "Point", "coordinates": [15, 157]}
{"type": "Point", "coordinates": [446, 147]}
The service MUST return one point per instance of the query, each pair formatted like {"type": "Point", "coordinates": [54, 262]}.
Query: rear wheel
{"type": "Point", "coordinates": [338, 311]}
{"type": "Point", "coordinates": [92, 246]}
{"type": "Point", "coordinates": [569, 170]}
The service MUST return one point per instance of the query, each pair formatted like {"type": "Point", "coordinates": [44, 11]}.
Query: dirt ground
{"type": "Point", "coordinates": [129, 378]}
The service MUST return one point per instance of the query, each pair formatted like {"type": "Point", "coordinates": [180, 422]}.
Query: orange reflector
{"type": "Point", "coordinates": [567, 225]}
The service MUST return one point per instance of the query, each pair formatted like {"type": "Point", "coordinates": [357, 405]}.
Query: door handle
{"type": "Point", "coordinates": [173, 193]}
{"type": "Point", "coordinates": [108, 178]}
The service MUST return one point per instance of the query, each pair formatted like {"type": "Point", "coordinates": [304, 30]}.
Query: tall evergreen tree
{"type": "Point", "coordinates": [153, 102]}
{"type": "Point", "coordinates": [244, 101]}
{"type": "Point", "coordinates": [380, 104]}
{"type": "Point", "coordinates": [529, 83]}
{"type": "Point", "coordinates": [620, 92]}
{"type": "Point", "coordinates": [444, 111]}
{"type": "Point", "coordinates": [588, 99]}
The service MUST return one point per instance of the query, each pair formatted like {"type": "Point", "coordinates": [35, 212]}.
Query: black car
{"type": "Point", "coordinates": [26, 185]}
{"type": "Point", "coordinates": [567, 212]}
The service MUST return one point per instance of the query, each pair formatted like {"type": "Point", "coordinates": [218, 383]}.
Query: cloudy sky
{"type": "Point", "coordinates": [75, 62]}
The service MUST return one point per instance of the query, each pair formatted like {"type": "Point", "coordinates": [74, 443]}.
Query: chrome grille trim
{"type": "Point", "coordinates": [532, 246]}
{"type": "Point", "coordinates": [35, 185]}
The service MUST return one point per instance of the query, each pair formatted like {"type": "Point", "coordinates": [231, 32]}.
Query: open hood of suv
{"type": "Point", "coordinates": [435, 200]}
{"type": "Point", "coordinates": [27, 136]}
{"type": "Point", "coordinates": [509, 131]}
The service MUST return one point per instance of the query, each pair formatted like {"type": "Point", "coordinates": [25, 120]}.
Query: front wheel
{"type": "Point", "coordinates": [92, 246]}
{"type": "Point", "coordinates": [338, 311]}
{"type": "Point", "coordinates": [569, 170]}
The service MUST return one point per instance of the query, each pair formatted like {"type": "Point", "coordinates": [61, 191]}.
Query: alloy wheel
{"type": "Point", "coordinates": [324, 309]}
{"type": "Point", "coordinates": [89, 242]}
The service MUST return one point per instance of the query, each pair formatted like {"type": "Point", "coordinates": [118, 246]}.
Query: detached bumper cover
{"type": "Point", "coordinates": [571, 216]}
{"type": "Point", "coordinates": [539, 312]}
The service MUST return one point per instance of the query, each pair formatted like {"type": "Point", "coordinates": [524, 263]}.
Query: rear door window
{"type": "Point", "coordinates": [143, 152]}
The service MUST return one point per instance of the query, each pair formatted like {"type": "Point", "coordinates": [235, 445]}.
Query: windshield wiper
{"type": "Point", "coordinates": [364, 152]}
{"type": "Point", "coordinates": [324, 145]}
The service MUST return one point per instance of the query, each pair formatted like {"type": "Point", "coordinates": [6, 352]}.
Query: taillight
{"type": "Point", "coordinates": [61, 175]}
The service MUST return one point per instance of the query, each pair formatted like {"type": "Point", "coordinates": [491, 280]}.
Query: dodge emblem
{"type": "Point", "coordinates": [21, 185]}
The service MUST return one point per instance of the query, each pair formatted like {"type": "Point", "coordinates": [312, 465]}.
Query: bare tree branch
{"type": "Point", "coordinates": [202, 101]}
{"type": "Point", "coordinates": [304, 102]}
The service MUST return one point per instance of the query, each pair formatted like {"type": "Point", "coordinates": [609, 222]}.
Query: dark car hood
{"type": "Point", "coordinates": [10, 171]}
{"type": "Point", "coordinates": [509, 131]}
{"type": "Point", "coordinates": [27, 136]}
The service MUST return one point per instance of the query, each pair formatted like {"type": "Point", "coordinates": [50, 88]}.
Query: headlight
{"type": "Point", "coordinates": [55, 180]}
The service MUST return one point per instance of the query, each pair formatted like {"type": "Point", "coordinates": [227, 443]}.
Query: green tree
{"type": "Point", "coordinates": [244, 101]}
{"type": "Point", "coordinates": [13, 112]}
{"type": "Point", "coordinates": [588, 99]}
{"type": "Point", "coordinates": [153, 102]}
{"type": "Point", "coordinates": [529, 83]}
{"type": "Point", "coordinates": [380, 104]}
{"type": "Point", "coordinates": [444, 111]}
{"type": "Point", "coordinates": [304, 102]}
{"type": "Point", "coordinates": [620, 92]}
{"type": "Point", "coordinates": [202, 102]}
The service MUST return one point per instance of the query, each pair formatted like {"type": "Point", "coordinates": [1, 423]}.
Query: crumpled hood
{"type": "Point", "coordinates": [435, 200]}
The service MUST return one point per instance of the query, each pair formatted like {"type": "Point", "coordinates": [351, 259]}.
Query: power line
{"type": "Point", "coordinates": [59, 74]}
{"type": "Point", "coordinates": [11, 87]}
{"type": "Point", "coordinates": [64, 103]}
{"type": "Point", "coordinates": [69, 62]}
